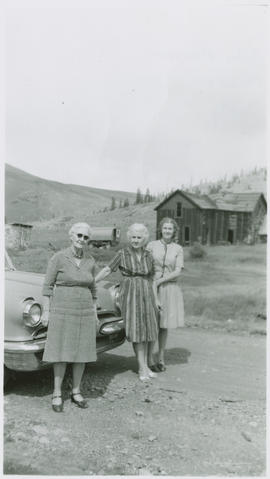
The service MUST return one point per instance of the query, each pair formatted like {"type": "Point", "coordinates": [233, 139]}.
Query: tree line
{"type": "Point", "coordinates": [140, 198]}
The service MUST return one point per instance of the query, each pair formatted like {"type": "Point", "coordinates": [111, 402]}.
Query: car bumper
{"type": "Point", "coordinates": [27, 355]}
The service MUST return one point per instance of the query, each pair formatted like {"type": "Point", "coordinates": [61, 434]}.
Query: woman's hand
{"type": "Point", "coordinates": [96, 318]}
{"type": "Point", "coordinates": [158, 282]}
{"type": "Point", "coordinates": [158, 305]}
{"type": "Point", "coordinates": [45, 318]}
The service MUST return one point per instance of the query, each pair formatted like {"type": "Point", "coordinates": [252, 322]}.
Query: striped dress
{"type": "Point", "coordinates": [137, 300]}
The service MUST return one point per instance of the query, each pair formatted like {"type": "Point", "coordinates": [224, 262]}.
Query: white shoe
{"type": "Point", "coordinates": [151, 374]}
{"type": "Point", "coordinates": [144, 376]}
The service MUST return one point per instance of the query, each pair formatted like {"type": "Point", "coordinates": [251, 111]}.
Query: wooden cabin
{"type": "Point", "coordinates": [17, 235]}
{"type": "Point", "coordinates": [214, 219]}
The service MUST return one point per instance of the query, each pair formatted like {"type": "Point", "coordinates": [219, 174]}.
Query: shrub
{"type": "Point", "coordinates": [197, 251]}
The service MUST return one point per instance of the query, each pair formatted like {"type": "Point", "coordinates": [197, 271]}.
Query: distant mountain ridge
{"type": "Point", "coordinates": [30, 198]}
{"type": "Point", "coordinates": [45, 202]}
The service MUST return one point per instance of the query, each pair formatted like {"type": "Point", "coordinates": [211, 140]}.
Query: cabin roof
{"type": "Point", "coordinates": [241, 202]}
{"type": "Point", "coordinates": [21, 224]}
{"type": "Point", "coordinates": [238, 202]}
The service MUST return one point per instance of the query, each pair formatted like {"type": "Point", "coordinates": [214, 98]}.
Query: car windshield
{"type": "Point", "coordinates": [8, 263]}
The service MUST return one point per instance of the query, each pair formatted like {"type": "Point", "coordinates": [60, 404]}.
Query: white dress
{"type": "Point", "coordinates": [167, 259]}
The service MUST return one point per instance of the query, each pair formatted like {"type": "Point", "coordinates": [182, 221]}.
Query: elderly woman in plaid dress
{"type": "Point", "coordinates": [69, 309]}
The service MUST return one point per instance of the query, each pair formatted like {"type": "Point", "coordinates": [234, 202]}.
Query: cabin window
{"type": "Point", "coordinates": [178, 209]}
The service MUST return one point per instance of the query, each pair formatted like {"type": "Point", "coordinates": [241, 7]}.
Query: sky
{"type": "Point", "coordinates": [121, 94]}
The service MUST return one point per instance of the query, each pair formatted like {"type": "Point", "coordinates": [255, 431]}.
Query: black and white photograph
{"type": "Point", "coordinates": [135, 238]}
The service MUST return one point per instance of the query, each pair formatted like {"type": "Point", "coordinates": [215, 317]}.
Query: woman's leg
{"type": "Point", "coordinates": [140, 351]}
{"type": "Point", "coordinates": [162, 341]}
{"type": "Point", "coordinates": [59, 370]}
{"type": "Point", "coordinates": [77, 373]}
{"type": "Point", "coordinates": [148, 345]}
{"type": "Point", "coordinates": [150, 353]}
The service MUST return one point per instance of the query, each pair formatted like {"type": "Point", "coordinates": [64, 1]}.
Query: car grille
{"type": "Point", "coordinates": [39, 333]}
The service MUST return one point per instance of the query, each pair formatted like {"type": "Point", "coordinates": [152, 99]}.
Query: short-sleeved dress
{"type": "Point", "coordinates": [72, 326]}
{"type": "Point", "coordinates": [169, 258]}
{"type": "Point", "coordinates": [137, 300]}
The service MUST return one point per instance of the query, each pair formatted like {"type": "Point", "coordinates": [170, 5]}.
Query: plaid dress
{"type": "Point", "coordinates": [71, 335]}
{"type": "Point", "coordinates": [136, 294]}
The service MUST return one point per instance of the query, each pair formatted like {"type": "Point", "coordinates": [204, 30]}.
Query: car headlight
{"type": "Point", "coordinates": [31, 313]}
{"type": "Point", "coordinates": [114, 290]}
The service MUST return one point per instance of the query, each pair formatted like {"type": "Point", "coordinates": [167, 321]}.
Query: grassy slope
{"type": "Point", "coordinates": [226, 290]}
{"type": "Point", "coordinates": [29, 198]}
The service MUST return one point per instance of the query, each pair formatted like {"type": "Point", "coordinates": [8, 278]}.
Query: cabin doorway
{"type": "Point", "coordinates": [187, 235]}
{"type": "Point", "coordinates": [231, 236]}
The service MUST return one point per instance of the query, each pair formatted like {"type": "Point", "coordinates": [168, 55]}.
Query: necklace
{"type": "Point", "coordinates": [77, 254]}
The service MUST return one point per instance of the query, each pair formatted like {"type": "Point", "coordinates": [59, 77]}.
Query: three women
{"type": "Point", "coordinates": [150, 298]}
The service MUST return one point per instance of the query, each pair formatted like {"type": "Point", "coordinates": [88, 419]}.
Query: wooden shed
{"type": "Point", "coordinates": [17, 235]}
{"type": "Point", "coordinates": [263, 231]}
{"type": "Point", "coordinates": [214, 219]}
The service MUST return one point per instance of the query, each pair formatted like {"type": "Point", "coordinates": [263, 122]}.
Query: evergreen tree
{"type": "Point", "coordinates": [139, 198]}
{"type": "Point", "coordinates": [126, 203]}
{"type": "Point", "coordinates": [113, 203]}
{"type": "Point", "coordinates": [147, 196]}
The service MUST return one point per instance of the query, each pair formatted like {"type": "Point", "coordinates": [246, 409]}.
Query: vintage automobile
{"type": "Point", "coordinates": [25, 336]}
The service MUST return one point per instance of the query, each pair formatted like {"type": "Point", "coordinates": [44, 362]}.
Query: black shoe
{"type": "Point", "coordinates": [83, 404]}
{"type": "Point", "coordinates": [161, 366]}
{"type": "Point", "coordinates": [154, 368]}
{"type": "Point", "coordinates": [58, 407]}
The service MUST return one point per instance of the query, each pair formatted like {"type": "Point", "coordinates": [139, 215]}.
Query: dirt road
{"type": "Point", "coordinates": [204, 416]}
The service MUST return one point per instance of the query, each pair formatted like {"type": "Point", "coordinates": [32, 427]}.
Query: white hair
{"type": "Point", "coordinates": [138, 228]}
{"type": "Point", "coordinates": [80, 225]}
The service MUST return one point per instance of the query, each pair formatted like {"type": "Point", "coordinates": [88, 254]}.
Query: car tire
{"type": "Point", "coordinates": [7, 375]}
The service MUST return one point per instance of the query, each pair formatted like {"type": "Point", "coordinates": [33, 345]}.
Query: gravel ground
{"type": "Point", "coordinates": [204, 416]}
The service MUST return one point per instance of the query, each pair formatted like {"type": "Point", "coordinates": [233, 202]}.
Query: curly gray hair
{"type": "Point", "coordinates": [139, 228]}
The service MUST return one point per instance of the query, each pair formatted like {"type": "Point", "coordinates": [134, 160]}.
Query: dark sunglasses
{"type": "Point", "coordinates": [80, 236]}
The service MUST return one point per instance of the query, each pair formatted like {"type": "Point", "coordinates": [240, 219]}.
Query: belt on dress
{"type": "Point", "coordinates": [71, 286]}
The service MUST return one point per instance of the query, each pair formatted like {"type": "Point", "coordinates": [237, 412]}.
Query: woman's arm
{"type": "Point", "coordinates": [179, 264]}
{"type": "Point", "coordinates": [154, 285]}
{"type": "Point", "coordinates": [45, 310]}
{"type": "Point", "coordinates": [103, 274]}
{"type": "Point", "coordinates": [112, 266]}
{"type": "Point", "coordinates": [48, 286]}
{"type": "Point", "coordinates": [168, 277]}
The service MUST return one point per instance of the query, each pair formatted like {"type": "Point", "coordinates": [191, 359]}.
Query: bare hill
{"type": "Point", "coordinates": [29, 198]}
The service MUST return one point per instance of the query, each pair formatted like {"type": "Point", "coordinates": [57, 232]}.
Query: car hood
{"type": "Point", "coordinates": [25, 277]}
{"type": "Point", "coordinates": [22, 285]}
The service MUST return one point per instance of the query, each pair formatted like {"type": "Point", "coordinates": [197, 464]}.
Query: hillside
{"type": "Point", "coordinates": [254, 180]}
{"type": "Point", "coordinates": [29, 198]}
{"type": "Point", "coordinates": [52, 205]}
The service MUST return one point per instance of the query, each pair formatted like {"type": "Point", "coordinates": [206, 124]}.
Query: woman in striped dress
{"type": "Point", "coordinates": [138, 298]}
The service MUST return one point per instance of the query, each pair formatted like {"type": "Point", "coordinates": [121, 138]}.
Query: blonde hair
{"type": "Point", "coordinates": [141, 228]}
{"type": "Point", "coordinates": [80, 225]}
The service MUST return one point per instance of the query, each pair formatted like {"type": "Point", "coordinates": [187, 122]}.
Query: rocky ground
{"type": "Point", "coordinates": [204, 416]}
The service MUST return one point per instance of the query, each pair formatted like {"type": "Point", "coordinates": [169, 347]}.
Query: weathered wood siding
{"type": "Point", "coordinates": [212, 226]}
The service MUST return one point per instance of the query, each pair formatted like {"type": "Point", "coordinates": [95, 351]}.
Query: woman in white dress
{"type": "Point", "coordinates": [169, 261]}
